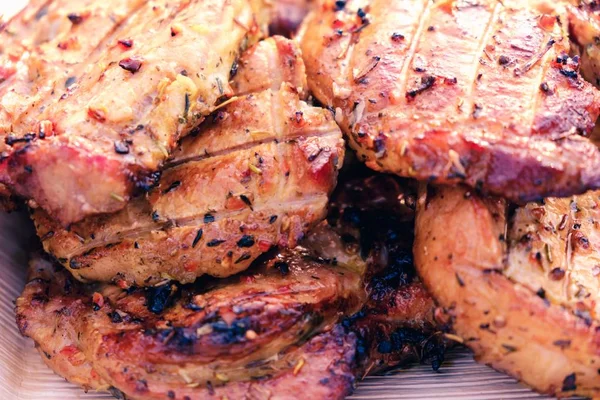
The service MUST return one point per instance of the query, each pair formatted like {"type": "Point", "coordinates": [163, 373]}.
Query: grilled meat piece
{"type": "Point", "coordinates": [481, 92]}
{"type": "Point", "coordinates": [520, 285]}
{"type": "Point", "coordinates": [277, 322]}
{"type": "Point", "coordinates": [257, 174]}
{"type": "Point", "coordinates": [167, 69]}
{"type": "Point", "coordinates": [584, 24]}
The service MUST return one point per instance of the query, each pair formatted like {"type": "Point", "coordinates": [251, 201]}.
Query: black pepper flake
{"type": "Point", "coordinates": [272, 219]}
{"type": "Point", "coordinates": [197, 238]}
{"type": "Point", "coordinates": [131, 64]}
{"type": "Point", "coordinates": [75, 19]}
{"type": "Point", "coordinates": [283, 267]}
{"type": "Point", "coordinates": [431, 28]}
{"type": "Point", "coordinates": [544, 87]}
{"type": "Point", "coordinates": [136, 245]}
{"type": "Point", "coordinates": [155, 216]}
{"type": "Point", "coordinates": [215, 242]}
{"type": "Point", "coordinates": [563, 344]}
{"type": "Point", "coordinates": [340, 5]}
{"type": "Point", "coordinates": [208, 218]}
{"type": "Point", "coordinates": [12, 139]}
{"type": "Point", "coordinates": [397, 37]}
{"type": "Point", "coordinates": [121, 147]}
{"type": "Point", "coordinates": [243, 257]}
{"type": "Point", "coordinates": [504, 60]}
{"type": "Point", "coordinates": [246, 241]}
{"type": "Point", "coordinates": [74, 264]}
{"type": "Point", "coordinates": [115, 317]}
{"type": "Point", "coordinates": [569, 73]}
{"type": "Point", "coordinates": [171, 394]}
{"type": "Point", "coordinates": [569, 383]}
{"type": "Point", "coordinates": [246, 200]}
{"type": "Point", "coordinates": [459, 280]}
{"type": "Point", "coordinates": [174, 185]}
{"type": "Point", "coordinates": [427, 83]}
{"type": "Point", "coordinates": [28, 169]}
{"type": "Point", "coordinates": [186, 107]}
{"type": "Point", "coordinates": [70, 81]}
{"type": "Point", "coordinates": [477, 109]}
{"type": "Point", "coordinates": [126, 43]}
{"type": "Point", "coordinates": [234, 69]}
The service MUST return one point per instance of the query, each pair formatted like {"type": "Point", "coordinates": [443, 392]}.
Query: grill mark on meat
{"type": "Point", "coordinates": [469, 99]}
{"type": "Point", "coordinates": [421, 28]}
{"type": "Point", "coordinates": [196, 221]}
{"type": "Point", "coordinates": [27, 114]}
{"type": "Point", "coordinates": [492, 145]}
{"type": "Point", "coordinates": [242, 180]}
{"type": "Point", "coordinates": [162, 127]}
{"type": "Point", "coordinates": [317, 132]}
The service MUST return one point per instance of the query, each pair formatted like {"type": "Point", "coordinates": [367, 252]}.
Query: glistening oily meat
{"type": "Point", "coordinates": [480, 92]}
{"type": "Point", "coordinates": [167, 68]}
{"type": "Point", "coordinates": [41, 50]}
{"type": "Point", "coordinates": [257, 174]}
{"type": "Point", "coordinates": [519, 284]}
{"type": "Point", "coordinates": [295, 321]}
{"type": "Point", "coordinates": [584, 25]}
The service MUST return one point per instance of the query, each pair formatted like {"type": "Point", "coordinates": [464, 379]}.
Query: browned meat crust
{"type": "Point", "coordinates": [520, 286]}
{"type": "Point", "coordinates": [221, 337]}
{"type": "Point", "coordinates": [256, 175]}
{"type": "Point", "coordinates": [157, 77]}
{"type": "Point", "coordinates": [480, 92]}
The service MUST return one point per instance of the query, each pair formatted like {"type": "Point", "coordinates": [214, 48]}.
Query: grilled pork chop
{"type": "Point", "coordinates": [269, 333]}
{"type": "Point", "coordinates": [165, 70]}
{"type": "Point", "coordinates": [519, 284]}
{"type": "Point", "coordinates": [256, 175]}
{"type": "Point", "coordinates": [480, 92]}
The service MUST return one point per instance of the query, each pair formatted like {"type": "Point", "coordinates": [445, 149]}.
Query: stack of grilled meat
{"type": "Point", "coordinates": [206, 235]}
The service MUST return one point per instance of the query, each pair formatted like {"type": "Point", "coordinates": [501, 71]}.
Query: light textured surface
{"type": "Point", "coordinates": [23, 375]}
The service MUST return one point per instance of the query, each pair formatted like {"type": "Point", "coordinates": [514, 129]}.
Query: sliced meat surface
{"type": "Point", "coordinates": [89, 149]}
{"type": "Point", "coordinates": [257, 174]}
{"type": "Point", "coordinates": [298, 320]}
{"type": "Point", "coordinates": [520, 285]}
{"type": "Point", "coordinates": [479, 92]}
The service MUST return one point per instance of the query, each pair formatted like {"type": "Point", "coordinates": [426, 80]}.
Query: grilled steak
{"type": "Point", "coordinates": [155, 79]}
{"type": "Point", "coordinates": [270, 332]}
{"type": "Point", "coordinates": [481, 92]}
{"type": "Point", "coordinates": [257, 174]}
{"type": "Point", "coordinates": [519, 284]}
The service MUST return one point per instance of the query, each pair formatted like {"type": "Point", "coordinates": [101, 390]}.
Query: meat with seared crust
{"type": "Point", "coordinates": [481, 92]}
{"type": "Point", "coordinates": [277, 322]}
{"type": "Point", "coordinates": [257, 174]}
{"type": "Point", "coordinates": [108, 134]}
{"type": "Point", "coordinates": [519, 285]}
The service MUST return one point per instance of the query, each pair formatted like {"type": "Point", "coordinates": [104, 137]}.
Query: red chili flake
{"type": "Point", "coordinates": [264, 245]}
{"type": "Point", "coordinates": [131, 64]}
{"type": "Point", "coordinates": [96, 114]}
{"type": "Point", "coordinates": [98, 301]}
{"type": "Point", "coordinates": [122, 284]}
{"type": "Point", "coordinates": [126, 43]}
